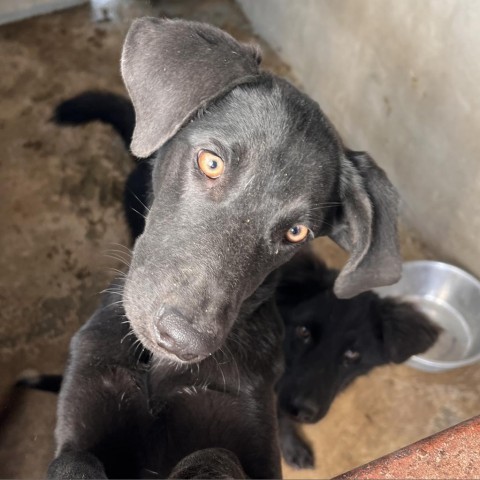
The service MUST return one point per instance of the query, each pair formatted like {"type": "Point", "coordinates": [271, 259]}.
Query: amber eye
{"type": "Point", "coordinates": [296, 234]}
{"type": "Point", "coordinates": [210, 164]}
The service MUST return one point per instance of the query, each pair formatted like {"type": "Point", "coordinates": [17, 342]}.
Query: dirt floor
{"type": "Point", "coordinates": [60, 207]}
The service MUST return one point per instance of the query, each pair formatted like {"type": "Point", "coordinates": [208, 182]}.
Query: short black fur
{"type": "Point", "coordinates": [174, 374]}
{"type": "Point", "coordinates": [330, 342]}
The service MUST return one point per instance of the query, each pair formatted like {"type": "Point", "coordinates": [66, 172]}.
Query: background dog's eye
{"type": "Point", "coordinates": [297, 233]}
{"type": "Point", "coordinates": [350, 357]}
{"type": "Point", "coordinates": [210, 164]}
{"type": "Point", "coordinates": [303, 333]}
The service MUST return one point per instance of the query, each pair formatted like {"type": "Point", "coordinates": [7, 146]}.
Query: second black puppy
{"type": "Point", "coordinates": [330, 342]}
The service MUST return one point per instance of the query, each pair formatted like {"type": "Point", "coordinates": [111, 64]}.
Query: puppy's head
{"type": "Point", "coordinates": [247, 170]}
{"type": "Point", "coordinates": [329, 342]}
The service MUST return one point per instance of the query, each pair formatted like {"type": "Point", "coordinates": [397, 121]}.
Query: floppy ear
{"type": "Point", "coordinates": [172, 68]}
{"type": "Point", "coordinates": [405, 330]}
{"type": "Point", "coordinates": [366, 226]}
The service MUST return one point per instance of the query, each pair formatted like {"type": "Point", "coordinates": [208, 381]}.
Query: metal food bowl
{"type": "Point", "coordinates": [450, 297]}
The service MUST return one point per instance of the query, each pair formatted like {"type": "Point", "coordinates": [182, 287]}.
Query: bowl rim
{"type": "Point", "coordinates": [445, 266]}
{"type": "Point", "coordinates": [439, 365]}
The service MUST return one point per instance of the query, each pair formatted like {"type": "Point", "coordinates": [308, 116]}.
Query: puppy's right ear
{"type": "Point", "coordinates": [366, 226]}
{"type": "Point", "coordinates": [172, 68]}
{"type": "Point", "coordinates": [405, 330]}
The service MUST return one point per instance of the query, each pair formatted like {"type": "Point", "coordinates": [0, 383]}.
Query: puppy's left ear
{"type": "Point", "coordinates": [404, 329]}
{"type": "Point", "coordinates": [173, 68]}
{"type": "Point", "coordinates": [366, 226]}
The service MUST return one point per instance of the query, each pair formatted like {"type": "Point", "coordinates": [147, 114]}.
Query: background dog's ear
{"type": "Point", "coordinates": [172, 68]}
{"type": "Point", "coordinates": [404, 329]}
{"type": "Point", "coordinates": [366, 226]}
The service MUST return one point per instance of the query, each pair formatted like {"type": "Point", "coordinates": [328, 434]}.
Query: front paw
{"type": "Point", "coordinates": [71, 465]}
{"type": "Point", "coordinates": [209, 463]}
{"type": "Point", "coordinates": [298, 454]}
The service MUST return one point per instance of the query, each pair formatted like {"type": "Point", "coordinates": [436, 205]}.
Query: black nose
{"type": "Point", "coordinates": [303, 410]}
{"type": "Point", "coordinates": [175, 334]}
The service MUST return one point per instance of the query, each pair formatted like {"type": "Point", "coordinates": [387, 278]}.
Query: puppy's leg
{"type": "Point", "coordinates": [102, 409]}
{"type": "Point", "coordinates": [101, 418]}
{"type": "Point", "coordinates": [209, 463]}
{"type": "Point", "coordinates": [296, 452]}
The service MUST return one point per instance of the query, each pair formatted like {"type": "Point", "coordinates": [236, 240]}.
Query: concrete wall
{"type": "Point", "coordinates": [401, 79]}
{"type": "Point", "coordinates": [13, 10]}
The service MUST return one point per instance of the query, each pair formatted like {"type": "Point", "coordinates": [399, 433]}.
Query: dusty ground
{"type": "Point", "coordinates": [60, 206]}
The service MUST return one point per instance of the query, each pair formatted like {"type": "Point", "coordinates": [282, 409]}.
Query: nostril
{"type": "Point", "coordinates": [175, 334]}
{"type": "Point", "coordinates": [168, 343]}
{"type": "Point", "coordinates": [302, 410]}
{"type": "Point", "coordinates": [164, 339]}
{"type": "Point", "coordinates": [307, 412]}
{"type": "Point", "coordinates": [293, 410]}
{"type": "Point", "coordinates": [305, 416]}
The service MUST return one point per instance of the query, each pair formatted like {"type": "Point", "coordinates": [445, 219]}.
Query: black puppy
{"type": "Point", "coordinates": [330, 342]}
{"type": "Point", "coordinates": [244, 169]}
{"type": "Point", "coordinates": [320, 327]}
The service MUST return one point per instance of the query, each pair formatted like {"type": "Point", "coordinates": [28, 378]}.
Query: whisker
{"type": "Point", "coordinates": [236, 367]}
{"type": "Point", "coordinates": [221, 371]}
{"type": "Point", "coordinates": [141, 214]}
{"type": "Point", "coordinates": [248, 183]}
{"type": "Point", "coordinates": [118, 302]}
{"type": "Point", "coordinates": [135, 344]}
{"type": "Point", "coordinates": [113, 292]}
{"type": "Point", "coordinates": [329, 224]}
{"type": "Point", "coordinates": [119, 255]}
{"type": "Point", "coordinates": [151, 471]}
{"type": "Point", "coordinates": [116, 270]}
{"type": "Point", "coordinates": [322, 207]}
{"type": "Point", "coordinates": [120, 259]}
{"type": "Point", "coordinates": [128, 334]}
{"type": "Point", "coordinates": [127, 250]}
{"type": "Point", "coordinates": [122, 252]}
{"type": "Point", "coordinates": [141, 203]}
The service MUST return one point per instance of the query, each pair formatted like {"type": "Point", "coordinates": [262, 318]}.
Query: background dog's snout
{"type": "Point", "coordinates": [303, 409]}
{"type": "Point", "coordinates": [176, 334]}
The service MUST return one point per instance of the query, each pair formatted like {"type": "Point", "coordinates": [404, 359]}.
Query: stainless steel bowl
{"type": "Point", "coordinates": [450, 297]}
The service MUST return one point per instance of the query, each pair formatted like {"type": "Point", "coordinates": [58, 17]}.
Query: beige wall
{"type": "Point", "coordinates": [401, 79]}
{"type": "Point", "coordinates": [13, 10]}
